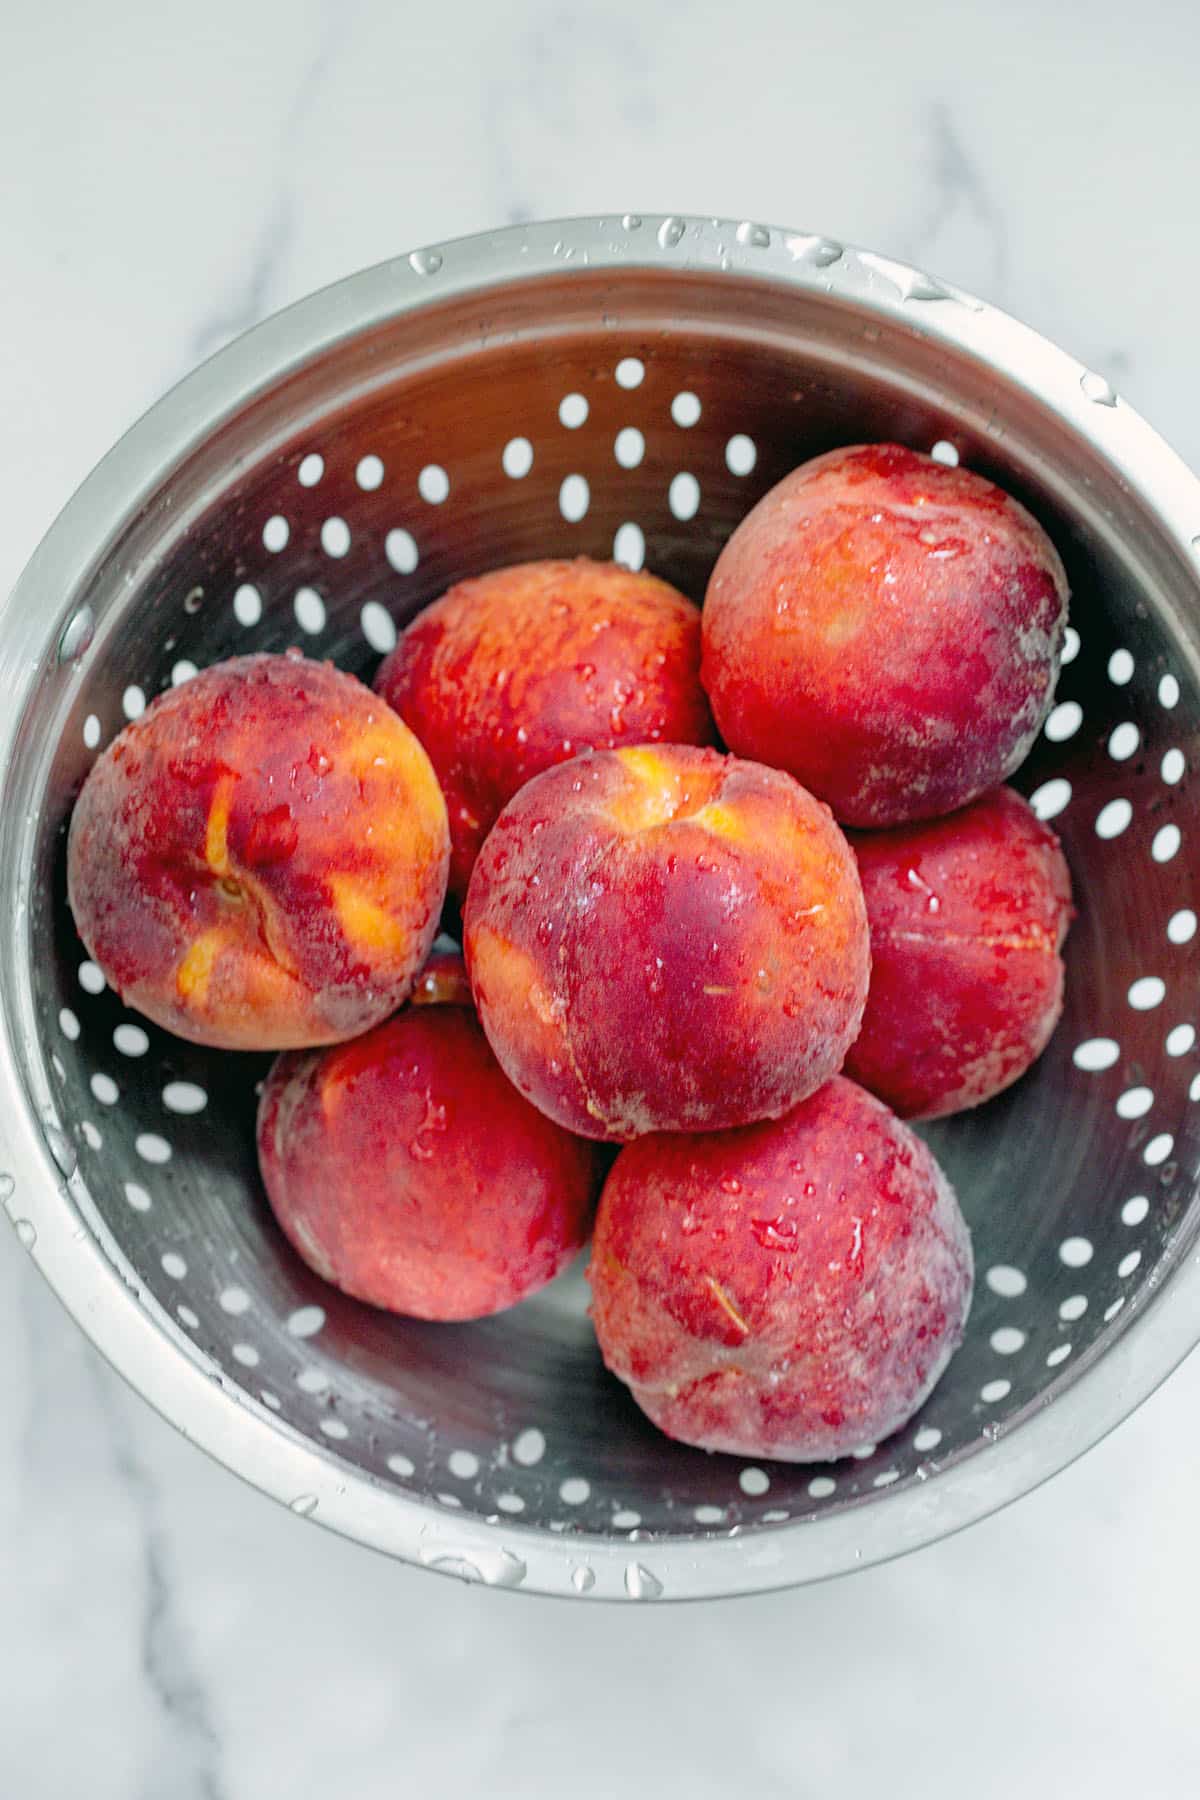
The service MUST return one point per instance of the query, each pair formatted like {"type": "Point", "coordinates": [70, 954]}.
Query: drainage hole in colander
{"type": "Point", "coordinates": [1113, 818]}
{"type": "Point", "coordinates": [309, 609]}
{"type": "Point", "coordinates": [629, 545]}
{"type": "Point", "coordinates": [1095, 1055]}
{"type": "Point", "coordinates": [306, 1321]}
{"type": "Point", "coordinates": [1064, 721]}
{"type": "Point", "coordinates": [741, 454]}
{"type": "Point", "coordinates": [516, 459]}
{"type": "Point", "coordinates": [378, 627]}
{"type": "Point", "coordinates": [529, 1447]}
{"type": "Point", "coordinates": [1166, 843]}
{"type": "Point", "coordinates": [1181, 927]}
{"type": "Point", "coordinates": [573, 498]}
{"type": "Point", "coordinates": [400, 548]}
{"type": "Point", "coordinates": [433, 484]}
{"type": "Point", "coordinates": [1158, 1149]}
{"type": "Point", "coordinates": [247, 605]}
{"type": "Point", "coordinates": [629, 447]}
{"type": "Point", "coordinates": [184, 1097]}
{"type": "Point", "coordinates": [1051, 798]}
{"type": "Point", "coordinates": [683, 496]}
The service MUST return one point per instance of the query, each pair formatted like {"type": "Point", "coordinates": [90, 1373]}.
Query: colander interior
{"type": "Point", "coordinates": [601, 412]}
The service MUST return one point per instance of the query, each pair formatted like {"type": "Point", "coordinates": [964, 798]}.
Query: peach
{"type": "Point", "coordinates": [405, 1169]}
{"type": "Point", "coordinates": [888, 629]}
{"type": "Point", "coordinates": [259, 860]}
{"type": "Point", "coordinates": [791, 1290]}
{"type": "Point", "coordinates": [664, 938]}
{"type": "Point", "coordinates": [968, 915]}
{"type": "Point", "coordinates": [506, 675]}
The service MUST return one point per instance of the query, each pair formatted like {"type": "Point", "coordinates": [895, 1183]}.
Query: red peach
{"type": "Point", "coordinates": [666, 938]}
{"type": "Point", "coordinates": [888, 629]}
{"type": "Point", "coordinates": [406, 1170]}
{"type": "Point", "coordinates": [259, 861]}
{"type": "Point", "coordinates": [968, 915]}
{"type": "Point", "coordinates": [791, 1290]}
{"type": "Point", "coordinates": [506, 675]}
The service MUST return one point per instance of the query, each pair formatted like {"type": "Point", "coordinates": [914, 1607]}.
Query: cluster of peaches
{"type": "Point", "coordinates": [669, 942]}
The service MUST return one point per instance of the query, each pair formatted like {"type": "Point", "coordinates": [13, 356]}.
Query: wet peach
{"type": "Point", "coordinates": [407, 1170]}
{"type": "Point", "coordinates": [666, 938]}
{"type": "Point", "coordinates": [258, 862]}
{"type": "Point", "coordinates": [888, 629]}
{"type": "Point", "coordinates": [968, 915]}
{"type": "Point", "coordinates": [526, 667]}
{"type": "Point", "coordinates": [791, 1290]}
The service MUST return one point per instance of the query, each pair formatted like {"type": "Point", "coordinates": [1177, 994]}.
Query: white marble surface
{"type": "Point", "coordinates": [174, 171]}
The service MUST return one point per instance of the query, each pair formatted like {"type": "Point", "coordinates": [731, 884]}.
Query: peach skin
{"type": "Point", "coordinates": [259, 861]}
{"type": "Point", "coordinates": [528, 666]}
{"type": "Point", "coordinates": [968, 915]}
{"type": "Point", "coordinates": [406, 1169]}
{"type": "Point", "coordinates": [666, 938]}
{"type": "Point", "coordinates": [791, 1290]}
{"type": "Point", "coordinates": [888, 629]}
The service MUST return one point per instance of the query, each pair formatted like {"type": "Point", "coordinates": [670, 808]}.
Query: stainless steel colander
{"type": "Point", "coordinates": [552, 390]}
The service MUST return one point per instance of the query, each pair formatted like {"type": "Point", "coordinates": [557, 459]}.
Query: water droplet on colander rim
{"type": "Point", "coordinates": [77, 634]}
{"type": "Point", "coordinates": [641, 1583]}
{"type": "Point", "coordinates": [61, 1149]}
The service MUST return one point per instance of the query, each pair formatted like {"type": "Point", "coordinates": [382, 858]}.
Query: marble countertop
{"type": "Point", "coordinates": [167, 1634]}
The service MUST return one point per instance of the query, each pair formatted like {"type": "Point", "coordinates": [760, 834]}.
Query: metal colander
{"type": "Point", "coordinates": [548, 391]}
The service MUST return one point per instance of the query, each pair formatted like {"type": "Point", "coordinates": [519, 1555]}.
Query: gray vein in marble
{"type": "Point", "coordinates": [253, 298]}
{"type": "Point", "coordinates": [536, 87]}
{"type": "Point", "coordinates": [959, 185]}
{"type": "Point", "coordinates": [190, 1765]}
